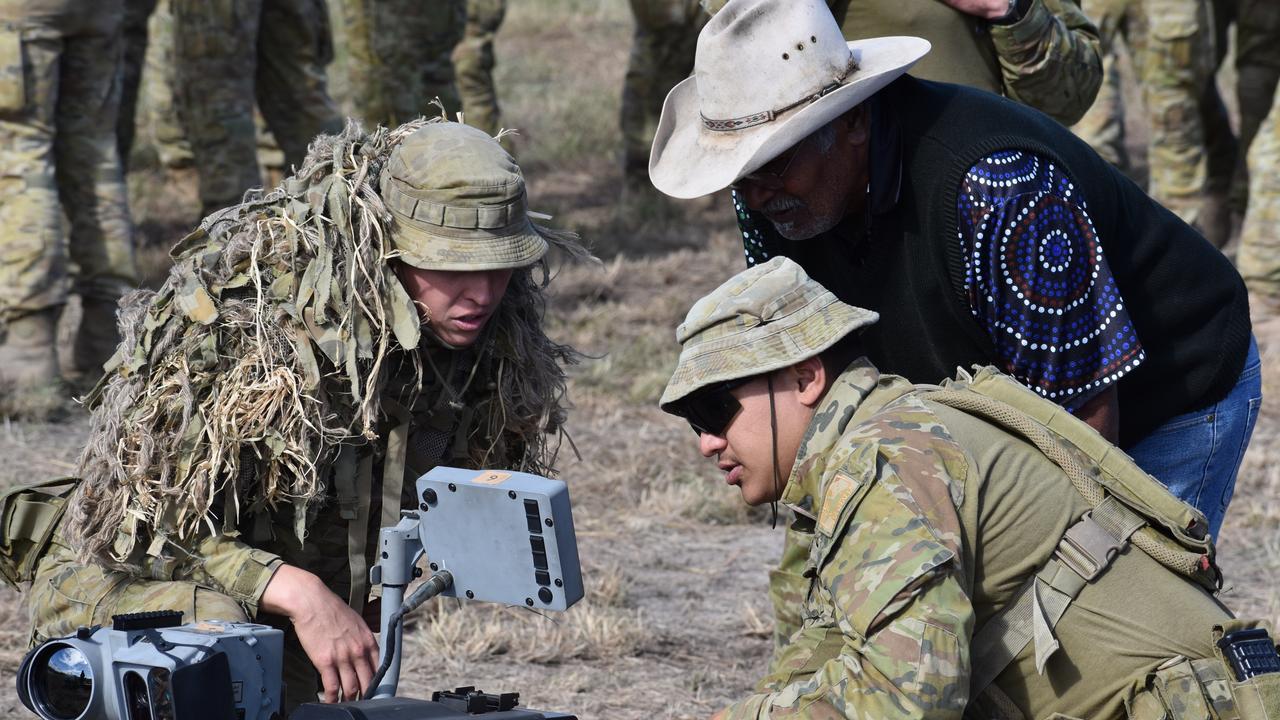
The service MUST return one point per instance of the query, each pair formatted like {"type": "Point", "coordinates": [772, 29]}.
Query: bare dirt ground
{"type": "Point", "coordinates": [676, 623]}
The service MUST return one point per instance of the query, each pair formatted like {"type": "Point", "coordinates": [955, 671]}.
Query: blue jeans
{"type": "Point", "coordinates": [1197, 455]}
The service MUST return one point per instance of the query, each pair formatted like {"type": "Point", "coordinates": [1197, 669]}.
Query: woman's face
{"type": "Point", "coordinates": [455, 304]}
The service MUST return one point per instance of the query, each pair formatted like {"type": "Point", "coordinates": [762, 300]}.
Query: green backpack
{"type": "Point", "coordinates": [28, 516]}
{"type": "Point", "coordinates": [1174, 533]}
{"type": "Point", "coordinates": [1128, 506]}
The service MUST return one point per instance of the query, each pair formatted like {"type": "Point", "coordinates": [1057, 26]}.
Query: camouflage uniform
{"type": "Point", "coordinates": [1259, 257]}
{"type": "Point", "coordinates": [326, 522]}
{"type": "Point", "coordinates": [394, 57]}
{"type": "Point", "coordinates": [1172, 49]}
{"type": "Point", "coordinates": [149, 62]}
{"type": "Point", "coordinates": [662, 46]}
{"type": "Point", "coordinates": [890, 484]}
{"type": "Point", "coordinates": [229, 52]}
{"type": "Point", "coordinates": [58, 102]}
{"type": "Point", "coordinates": [473, 59]}
{"type": "Point", "coordinates": [136, 15]}
{"type": "Point", "coordinates": [1257, 71]}
{"type": "Point", "coordinates": [917, 523]}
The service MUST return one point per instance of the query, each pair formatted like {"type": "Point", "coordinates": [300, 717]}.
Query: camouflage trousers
{"type": "Point", "coordinates": [473, 61]}
{"type": "Point", "coordinates": [393, 57]}
{"type": "Point", "coordinates": [147, 103]}
{"type": "Point", "coordinates": [136, 15]}
{"type": "Point", "coordinates": [1259, 257]}
{"type": "Point", "coordinates": [59, 95]}
{"type": "Point", "coordinates": [1172, 48]}
{"type": "Point", "coordinates": [1257, 71]}
{"type": "Point", "coordinates": [66, 594]}
{"type": "Point", "coordinates": [662, 48]}
{"type": "Point", "coordinates": [229, 52]}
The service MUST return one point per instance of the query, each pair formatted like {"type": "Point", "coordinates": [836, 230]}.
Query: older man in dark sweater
{"type": "Point", "coordinates": [981, 231]}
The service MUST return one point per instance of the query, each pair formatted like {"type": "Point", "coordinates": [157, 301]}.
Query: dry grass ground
{"type": "Point", "coordinates": [676, 622]}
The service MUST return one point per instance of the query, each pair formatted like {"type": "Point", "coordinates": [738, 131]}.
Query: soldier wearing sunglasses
{"type": "Point", "coordinates": [917, 524]}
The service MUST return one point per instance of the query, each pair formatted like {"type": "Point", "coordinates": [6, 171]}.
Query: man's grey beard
{"type": "Point", "coordinates": [816, 225]}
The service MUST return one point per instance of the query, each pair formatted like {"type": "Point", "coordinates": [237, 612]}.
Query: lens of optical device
{"type": "Point", "coordinates": [62, 683]}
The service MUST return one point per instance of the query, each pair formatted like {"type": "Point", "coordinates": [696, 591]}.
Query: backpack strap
{"type": "Point", "coordinates": [1083, 478]}
{"type": "Point", "coordinates": [1085, 551]}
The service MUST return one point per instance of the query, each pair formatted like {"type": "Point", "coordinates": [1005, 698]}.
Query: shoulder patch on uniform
{"type": "Point", "coordinates": [837, 495]}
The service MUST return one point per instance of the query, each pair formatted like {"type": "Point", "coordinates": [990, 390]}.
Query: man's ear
{"type": "Point", "coordinates": [811, 380]}
{"type": "Point", "coordinates": [858, 123]}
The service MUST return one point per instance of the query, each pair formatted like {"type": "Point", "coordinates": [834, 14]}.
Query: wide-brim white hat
{"type": "Point", "coordinates": [767, 74]}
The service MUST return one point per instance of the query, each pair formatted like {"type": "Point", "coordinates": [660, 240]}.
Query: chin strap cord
{"type": "Point", "coordinates": [773, 432]}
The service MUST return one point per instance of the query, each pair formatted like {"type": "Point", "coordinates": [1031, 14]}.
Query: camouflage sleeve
{"type": "Point", "coordinates": [1051, 59]}
{"type": "Point", "coordinates": [227, 564]}
{"type": "Point", "coordinates": [893, 590]}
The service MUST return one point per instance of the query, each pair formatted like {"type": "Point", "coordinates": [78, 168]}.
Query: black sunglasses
{"type": "Point", "coordinates": [711, 409]}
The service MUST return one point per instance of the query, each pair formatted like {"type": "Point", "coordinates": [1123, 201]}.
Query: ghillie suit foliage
{"type": "Point", "coordinates": [276, 338]}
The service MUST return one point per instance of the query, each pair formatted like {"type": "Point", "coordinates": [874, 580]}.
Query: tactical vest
{"type": "Point", "coordinates": [1128, 507]}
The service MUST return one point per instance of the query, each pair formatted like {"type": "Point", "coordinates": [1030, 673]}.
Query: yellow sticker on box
{"type": "Point", "coordinates": [489, 477]}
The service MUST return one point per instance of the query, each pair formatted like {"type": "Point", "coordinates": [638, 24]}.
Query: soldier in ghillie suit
{"type": "Point", "coordinates": [967, 550]}
{"type": "Point", "coordinates": [313, 351]}
{"type": "Point", "coordinates": [393, 58]}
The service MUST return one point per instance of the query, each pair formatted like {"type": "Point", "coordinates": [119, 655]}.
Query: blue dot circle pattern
{"type": "Point", "coordinates": [1038, 280]}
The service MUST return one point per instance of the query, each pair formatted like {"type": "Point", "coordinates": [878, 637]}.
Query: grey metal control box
{"type": "Point", "coordinates": [527, 553]}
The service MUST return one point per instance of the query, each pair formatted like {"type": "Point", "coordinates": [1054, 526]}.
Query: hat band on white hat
{"type": "Point", "coordinates": [761, 118]}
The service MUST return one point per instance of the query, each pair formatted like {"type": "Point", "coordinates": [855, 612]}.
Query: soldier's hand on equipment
{"type": "Point", "coordinates": [335, 638]}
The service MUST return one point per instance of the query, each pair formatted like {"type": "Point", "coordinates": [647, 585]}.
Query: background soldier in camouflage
{"type": "Point", "coordinates": [136, 16]}
{"type": "Point", "coordinates": [59, 95]}
{"type": "Point", "coordinates": [1259, 258]}
{"type": "Point", "coordinates": [1172, 48]}
{"type": "Point", "coordinates": [230, 52]}
{"type": "Point", "coordinates": [298, 438]}
{"type": "Point", "coordinates": [149, 84]}
{"type": "Point", "coordinates": [915, 524]}
{"type": "Point", "coordinates": [473, 60]}
{"type": "Point", "coordinates": [394, 57]}
{"type": "Point", "coordinates": [662, 46]}
{"type": "Point", "coordinates": [1257, 71]}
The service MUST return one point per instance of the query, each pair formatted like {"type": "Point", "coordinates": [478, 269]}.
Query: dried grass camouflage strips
{"type": "Point", "coordinates": [273, 341]}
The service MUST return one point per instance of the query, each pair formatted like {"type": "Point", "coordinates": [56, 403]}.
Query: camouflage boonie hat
{"type": "Point", "coordinates": [762, 319]}
{"type": "Point", "coordinates": [459, 202]}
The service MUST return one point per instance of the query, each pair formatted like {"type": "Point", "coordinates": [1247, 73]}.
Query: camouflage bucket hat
{"type": "Point", "coordinates": [459, 202]}
{"type": "Point", "coordinates": [762, 319]}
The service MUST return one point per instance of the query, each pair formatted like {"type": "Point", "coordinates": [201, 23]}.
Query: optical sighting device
{"type": "Point", "coordinates": [488, 535]}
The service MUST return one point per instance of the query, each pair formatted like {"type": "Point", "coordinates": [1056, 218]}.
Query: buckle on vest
{"type": "Point", "coordinates": [1088, 548]}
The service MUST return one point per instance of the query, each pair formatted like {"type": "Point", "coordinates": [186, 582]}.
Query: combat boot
{"type": "Point", "coordinates": [29, 382]}
{"type": "Point", "coordinates": [97, 338]}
